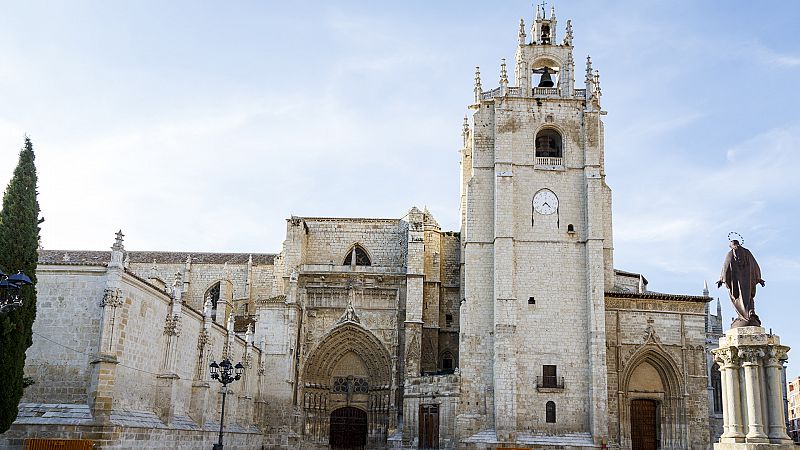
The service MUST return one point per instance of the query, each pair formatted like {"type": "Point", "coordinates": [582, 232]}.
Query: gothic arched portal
{"type": "Point", "coordinates": [652, 410]}
{"type": "Point", "coordinates": [349, 369]}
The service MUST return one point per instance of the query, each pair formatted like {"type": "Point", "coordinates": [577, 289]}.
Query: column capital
{"type": "Point", "coordinates": [750, 356]}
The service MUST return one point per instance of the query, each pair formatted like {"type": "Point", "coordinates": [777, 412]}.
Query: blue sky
{"type": "Point", "coordinates": [202, 126]}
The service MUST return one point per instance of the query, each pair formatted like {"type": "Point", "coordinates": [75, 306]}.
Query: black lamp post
{"type": "Point", "coordinates": [10, 286]}
{"type": "Point", "coordinates": [226, 373]}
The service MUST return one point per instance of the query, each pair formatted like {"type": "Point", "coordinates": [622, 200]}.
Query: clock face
{"type": "Point", "coordinates": [545, 202]}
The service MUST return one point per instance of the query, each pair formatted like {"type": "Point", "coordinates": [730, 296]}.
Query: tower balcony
{"type": "Point", "coordinates": [515, 91]}
{"type": "Point", "coordinates": [549, 162]}
{"type": "Point", "coordinates": [546, 92]}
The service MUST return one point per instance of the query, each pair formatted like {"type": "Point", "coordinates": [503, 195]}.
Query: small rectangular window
{"type": "Point", "coordinates": [448, 320]}
{"type": "Point", "coordinates": [531, 301]}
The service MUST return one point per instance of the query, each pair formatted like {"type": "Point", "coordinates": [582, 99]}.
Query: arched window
{"type": "Point", "coordinates": [550, 412]}
{"type": "Point", "coordinates": [359, 255]}
{"type": "Point", "coordinates": [716, 385]}
{"type": "Point", "coordinates": [213, 294]}
{"type": "Point", "coordinates": [548, 144]}
{"type": "Point", "coordinates": [545, 34]}
{"type": "Point", "coordinates": [448, 362]}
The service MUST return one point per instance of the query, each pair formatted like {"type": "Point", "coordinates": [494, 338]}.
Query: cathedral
{"type": "Point", "coordinates": [516, 331]}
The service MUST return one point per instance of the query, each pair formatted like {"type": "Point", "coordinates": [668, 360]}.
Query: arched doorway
{"type": "Point", "coordinates": [644, 424]}
{"type": "Point", "coordinates": [348, 372]}
{"type": "Point", "coordinates": [348, 429]}
{"type": "Point", "coordinates": [652, 408]}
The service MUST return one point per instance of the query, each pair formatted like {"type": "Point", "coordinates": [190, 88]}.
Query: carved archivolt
{"type": "Point", "coordinates": [343, 339]}
{"type": "Point", "coordinates": [661, 361]}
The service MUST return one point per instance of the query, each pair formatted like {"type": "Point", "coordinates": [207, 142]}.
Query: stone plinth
{"type": "Point", "coordinates": [751, 363]}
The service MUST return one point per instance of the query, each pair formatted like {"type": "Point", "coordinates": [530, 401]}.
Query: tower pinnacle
{"type": "Point", "coordinates": [477, 84]}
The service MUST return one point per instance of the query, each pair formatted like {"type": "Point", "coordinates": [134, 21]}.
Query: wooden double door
{"type": "Point", "coordinates": [348, 429]}
{"type": "Point", "coordinates": [644, 425]}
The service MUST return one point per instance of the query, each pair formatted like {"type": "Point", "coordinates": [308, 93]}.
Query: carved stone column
{"type": "Point", "coordinates": [723, 375]}
{"type": "Point", "coordinates": [746, 353]}
{"type": "Point", "coordinates": [731, 392]}
{"type": "Point", "coordinates": [773, 368]}
{"type": "Point", "coordinates": [751, 359]}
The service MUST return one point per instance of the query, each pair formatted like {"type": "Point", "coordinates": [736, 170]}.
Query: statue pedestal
{"type": "Point", "coordinates": [751, 364]}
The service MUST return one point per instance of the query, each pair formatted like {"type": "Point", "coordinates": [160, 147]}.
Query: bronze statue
{"type": "Point", "coordinates": [740, 273]}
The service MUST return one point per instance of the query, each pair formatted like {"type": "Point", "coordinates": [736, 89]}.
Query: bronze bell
{"type": "Point", "coordinates": [546, 80]}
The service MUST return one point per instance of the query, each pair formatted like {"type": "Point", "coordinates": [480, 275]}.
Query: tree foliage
{"type": "Point", "coordinates": [19, 241]}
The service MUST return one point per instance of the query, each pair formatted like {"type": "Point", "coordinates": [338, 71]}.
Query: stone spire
{"type": "Point", "coordinates": [118, 242]}
{"type": "Point", "coordinates": [177, 286]}
{"type": "Point", "coordinates": [503, 78]}
{"type": "Point", "coordinates": [589, 77]}
{"type": "Point", "coordinates": [207, 307]}
{"type": "Point", "coordinates": [553, 12]}
{"type": "Point", "coordinates": [705, 288]}
{"type": "Point", "coordinates": [521, 32]}
{"type": "Point", "coordinates": [248, 335]}
{"type": "Point", "coordinates": [465, 131]}
{"type": "Point", "coordinates": [117, 252]}
{"type": "Point", "coordinates": [597, 91]}
{"type": "Point", "coordinates": [477, 84]}
{"type": "Point", "coordinates": [230, 323]}
{"type": "Point", "coordinates": [568, 34]}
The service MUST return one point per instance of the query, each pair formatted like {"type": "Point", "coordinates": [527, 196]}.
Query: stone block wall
{"type": "Point", "coordinates": [152, 372]}
{"type": "Point", "coordinates": [656, 351]}
{"type": "Point", "coordinates": [66, 333]}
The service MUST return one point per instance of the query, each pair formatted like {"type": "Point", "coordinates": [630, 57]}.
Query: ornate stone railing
{"type": "Point", "coordinates": [515, 91]}
{"type": "Point", "coordinates": [545, 91]}
{"type": "Point", "coordinates": [490, 94]}
{"type": "Point", "coordinates": [549, 161]}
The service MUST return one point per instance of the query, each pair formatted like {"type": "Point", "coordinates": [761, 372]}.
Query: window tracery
{"type": "Point", "coordinates": [359, 255]}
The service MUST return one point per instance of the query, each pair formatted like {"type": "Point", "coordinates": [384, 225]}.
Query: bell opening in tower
{"type": "Point", "coordinates": [547, 73]}
{"type": "Point", "coordinates": [548, 144]}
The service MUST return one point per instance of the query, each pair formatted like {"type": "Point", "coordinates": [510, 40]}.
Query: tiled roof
{"type": "Point", "coordinates": [650, 295]}
{"type": "Point", "coordinates": [101, 257]}
{"type": "Point", "coordinates": [625, 273]}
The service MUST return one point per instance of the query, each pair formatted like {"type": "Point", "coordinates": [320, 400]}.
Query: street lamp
{"type": "Point", "coordinates": [10, 286]}
{"type": "Point", "coordinates": [226, 373]}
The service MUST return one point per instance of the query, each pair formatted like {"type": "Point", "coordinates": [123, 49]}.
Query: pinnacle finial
{"type": "Point", "coordinates": [118, 242]}
{"type": "Point", "coordinates": [598, 91]}
{"type": "Point", "coordinates": [568, 34]}
{"type": "Point", "coordinates": [521, 31]}
{"type": "Point", "coordinates": [207, 308]}
{"type": "Point", "coordinates": [230, 322]}
{"type": "Point", "coordinates": [465, 128]}
{"type": "Point", "coordinates": [553, 12]}
{"type": "Point", "coordinates": [177, 280]}
{"type": "Point", "coordinates": [503, 72]}
{"type": "Point", "coordinates": [589, 76]}
{"type": "Point", "coordinates": [478, 89]}
{"type": "Point", "coordinates": [705, 288]}
{"type": "Point", "coordinates": [249, 333]}
{"type": "Point", "coordinates": [539, 12]}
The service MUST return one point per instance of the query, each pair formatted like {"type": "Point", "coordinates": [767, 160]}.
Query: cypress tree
{"type": "Point", "coordinates": [19, 241]}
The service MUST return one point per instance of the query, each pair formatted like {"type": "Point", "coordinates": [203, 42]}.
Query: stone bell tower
{"type": "Point", "coordinates": [537, 250]}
